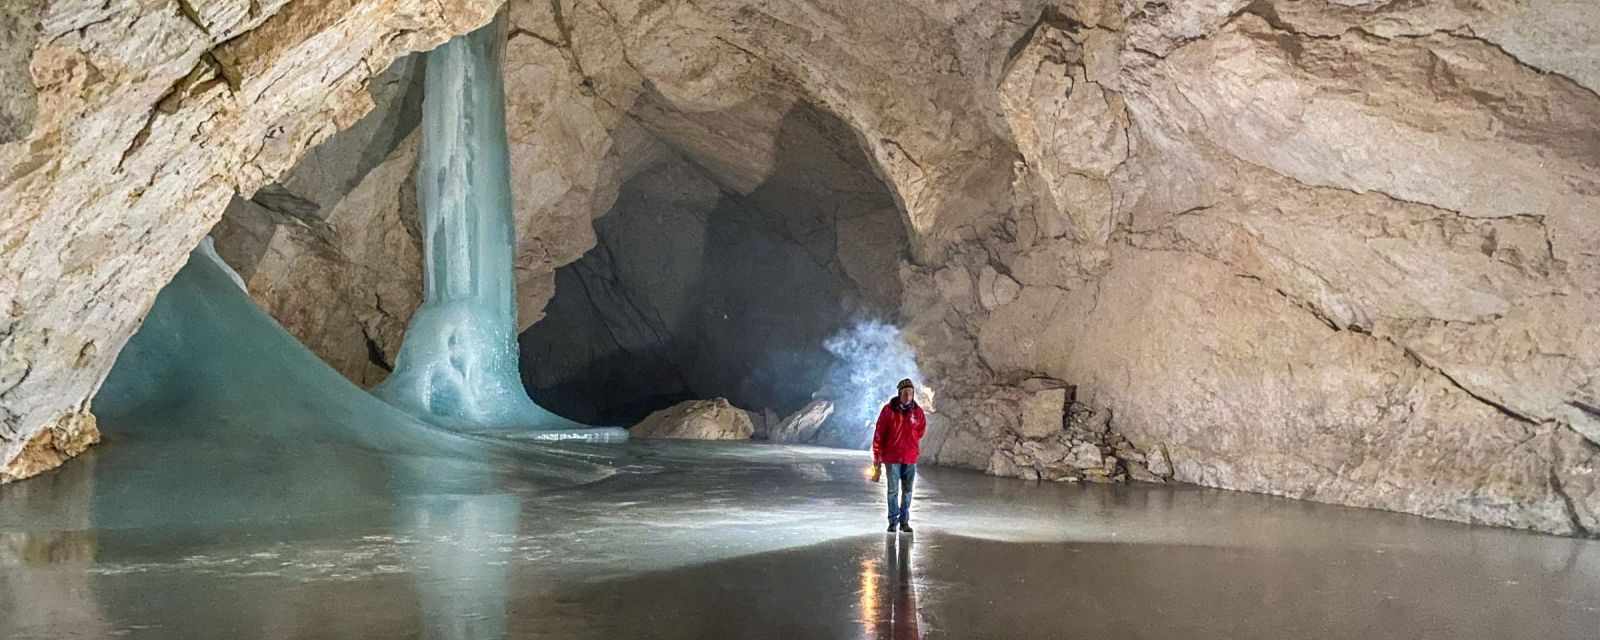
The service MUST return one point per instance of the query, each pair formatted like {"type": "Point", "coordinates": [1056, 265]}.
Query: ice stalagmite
{"type": "Point", "coordinates": [458, 364]}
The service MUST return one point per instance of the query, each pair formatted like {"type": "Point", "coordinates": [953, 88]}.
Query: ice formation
{"type": "Point", "coordinates": [283, 433]}
{"type": "Point", "coordinates": [224, 420]}
{"type": "Point", "coordinates": [458, 364]}
{"type": "Point", "coordinates": [271, 429]}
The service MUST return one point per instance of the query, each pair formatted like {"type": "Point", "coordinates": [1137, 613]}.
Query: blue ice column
{"type": "Point", "coordinates": [458, 364]}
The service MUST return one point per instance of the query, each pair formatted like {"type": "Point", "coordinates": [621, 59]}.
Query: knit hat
{"type": "Point", "coordinates": [904, 384]}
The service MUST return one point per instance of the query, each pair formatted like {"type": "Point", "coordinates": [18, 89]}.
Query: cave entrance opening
{"type": "Point", "coordinates": [727, 263]}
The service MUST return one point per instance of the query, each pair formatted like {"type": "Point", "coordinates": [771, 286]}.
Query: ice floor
{"type": "Point", "coordinates": [697, 540]}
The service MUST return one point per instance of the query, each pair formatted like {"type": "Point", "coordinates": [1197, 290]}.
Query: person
{"type": "Point", "coordinates": [895, 444]}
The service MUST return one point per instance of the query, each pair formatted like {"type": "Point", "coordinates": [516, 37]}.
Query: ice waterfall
{"type": "Point", "coordinates": [458, 365]}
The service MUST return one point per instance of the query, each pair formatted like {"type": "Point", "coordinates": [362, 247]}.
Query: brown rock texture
{"type": "Point", "coordinates": [146, 121]}
{"type": "Point", "coordinates": [1339, 251]}
{"type": "Point", "coordinates": [1332, 252]}
{"type": "Point", "coordinates": [697, 420]}
{"type": "Point", "coordinates": [60, 439]}
{"type": "Point", "coordinates": [802, 426]}
{"type": "Point", "coordinates": [1344, 265]}
{"type": "Point", "coordinates": [344, 284]}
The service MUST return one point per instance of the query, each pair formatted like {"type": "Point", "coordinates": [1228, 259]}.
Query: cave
{"type": "Point", "coordinates": [576, 318]}
{"type": "Point", "coordinates": [702, 288]}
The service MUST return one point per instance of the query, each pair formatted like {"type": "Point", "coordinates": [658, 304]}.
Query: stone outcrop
{"type": "Point", "coordinates": [803, 426]}
{"type": "Point", "coordinates": [145, 122]}
{"type": "Point", "coordinates": [1338, 259]}
{"type": "Point", "coordinates": [1062, 440]}
{"type": "Point", "coordinates": [697, 420]}
{"type": "Point", "coordinates": [1340, 251]}
{"type": "Point", "coordinates": [344, 284]}
{"type": "Point", "coordinates": [332, 250]}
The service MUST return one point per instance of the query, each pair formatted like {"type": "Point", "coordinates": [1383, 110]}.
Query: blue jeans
{"type": "Point", "coordinates": [901, 477]}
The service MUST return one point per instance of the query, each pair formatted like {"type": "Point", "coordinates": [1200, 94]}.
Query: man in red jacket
{"type": "Point", "coordinates": [895, 442]}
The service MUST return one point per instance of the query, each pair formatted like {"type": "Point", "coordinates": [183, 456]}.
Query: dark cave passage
{"type": "Point", "coordinates": [697, 290]}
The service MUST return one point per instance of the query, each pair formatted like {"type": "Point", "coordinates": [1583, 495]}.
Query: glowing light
{"type": "Point", "coordinates": [872, 357]}
{"type": "Point", "coordinates": [868, 592]}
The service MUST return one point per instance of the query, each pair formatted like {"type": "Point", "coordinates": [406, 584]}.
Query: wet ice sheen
{"type": "Point", "coordinates": [458, 365]}
{"type": "Point", "coordinates": [723, 540]}
{"type": "Point", "coordinates": [245, 490]}
{"type": "Point", "coordinates": [208, 370]}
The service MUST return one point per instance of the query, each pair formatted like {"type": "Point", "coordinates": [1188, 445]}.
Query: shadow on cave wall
{"type": "Point", "coordinates": [697, 291]}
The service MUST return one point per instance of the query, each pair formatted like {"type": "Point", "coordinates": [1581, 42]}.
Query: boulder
{"type": "Point", "coordinates": [1042, 413]}
{"type": "Point", "coordinates": [697, 420]}
{"type": "Point", "coordinates": [803, 426]}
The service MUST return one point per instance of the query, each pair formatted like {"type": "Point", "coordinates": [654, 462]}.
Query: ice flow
{"type": "Point", "coordinates": [457, 366]}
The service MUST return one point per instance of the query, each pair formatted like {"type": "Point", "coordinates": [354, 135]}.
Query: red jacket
{"type": "Point", "coordinates": [897, 437]}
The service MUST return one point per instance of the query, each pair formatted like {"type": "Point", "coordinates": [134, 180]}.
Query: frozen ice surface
{"type": "Point", "coordinates": [210, 374]}
{"type": "Point", "coordinates": [739, 540]}
{"type": "Point", "coordinates": [245, 490]}
{"type": "Point", "coordinates": [458, 364]}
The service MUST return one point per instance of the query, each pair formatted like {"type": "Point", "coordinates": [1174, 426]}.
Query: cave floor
{"type": "Point", "coordinates": [706, 540]}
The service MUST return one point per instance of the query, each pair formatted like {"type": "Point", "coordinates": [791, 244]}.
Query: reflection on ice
{"type": "Point", "coordinates": [893, 615]}
{"type": "Point", "coordinates": [462, 568]}
{"type": "Point", "coordinates": [246, 490]}
{"type": "Point", "coordinates": [697, 540]}
{"type": "Point", "coordinates": [267, 431]}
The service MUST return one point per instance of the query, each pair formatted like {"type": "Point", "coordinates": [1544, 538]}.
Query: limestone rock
{"type": "Point", "coordinates": [63, 438]}
{"type": "Point", "coordinates": [1159, 464]}
{"type": "Point", "coordinates": [146, 123]}
{"type": "Point", "coordinates": [1140, 473]}
{"type": "Point", "coordinates": [569, 152]}
{"type": "Point", "coordinates": [1085, 455]}
{"type": "Point", "coordinates": [1577, 481]}
{"type": "Point", "coordinates": [803, 426]}
{"type": "Point", "coordinates": [697, 420]}
{"type": "Point", "coordinates": [996, 289]}
{"type": "Point", "coordinates": [1066, 455]}
{"type": "Point", "coordinates": [1071, 132]}
{"type": "Point", "coordinates": [1325, 382]}
{"type": "Point", "coordinates": [1042, 413]}
{"type": "Point", "coordinates": [954, 285]}
{"type": "Point", "coordinates": [1159, 26]}
{"type": "Point", "coordinates": [1340, 251]}
{"type": "Point", "coordinates": [344, 285]}
{"type": "Point", "coordinates": [19, 29]}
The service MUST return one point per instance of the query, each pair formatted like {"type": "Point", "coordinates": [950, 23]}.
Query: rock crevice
{"type": "Point", "coordinates": [1310, 249]}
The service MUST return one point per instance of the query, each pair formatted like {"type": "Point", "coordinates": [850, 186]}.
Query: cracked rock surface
{"type": "Point", "coordinates": [697, 420]}
{"type": "Point", "coordinates": [1339, 251]}
{"type": "Point", "coordinates": [146, 119]}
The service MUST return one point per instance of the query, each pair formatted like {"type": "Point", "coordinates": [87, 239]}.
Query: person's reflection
{"type": "Point", "coordinates": [898, 617]}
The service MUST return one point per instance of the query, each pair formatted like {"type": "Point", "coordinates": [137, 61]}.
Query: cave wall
{"type": "Point", "coordinates": [1343, 258]}
{"type": "Point", "coordinates": [146, 120]}
{"type": "Point", "coordinates": [696, 289]}
{"type": "Point", "coordinates": [1332, 251]}
{"type": "Point", "coordinates": [333, 248]}
{"type": "Point", "coordinates": [1341, 251]}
